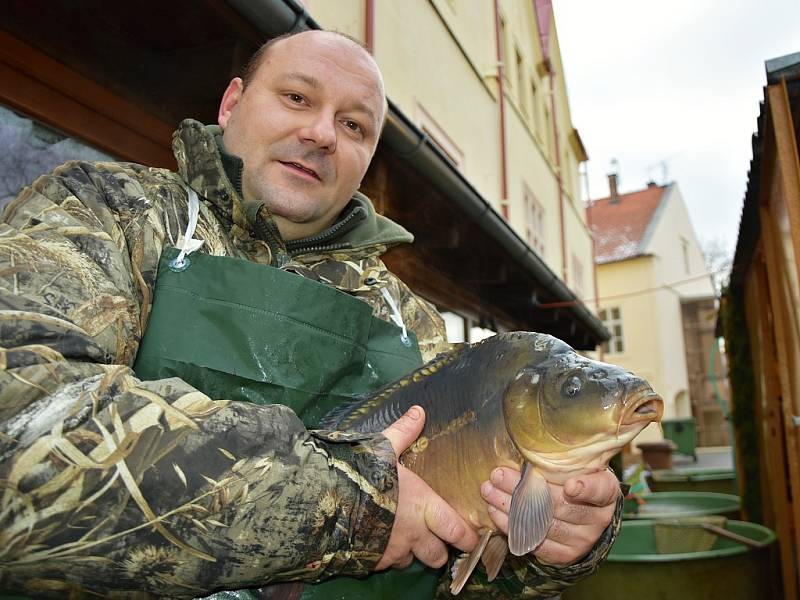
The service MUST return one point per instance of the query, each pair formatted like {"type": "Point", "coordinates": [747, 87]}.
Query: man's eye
{"type": "Point", "coordinates": [352, 125]}
{"type": "Point", "coordinates": [296, 98]}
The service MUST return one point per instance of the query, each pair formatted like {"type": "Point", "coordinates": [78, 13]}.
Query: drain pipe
{"type": "Point", "coordinates": [559, 180]}
{"type": "Point", "coordinates": [369, 26]}
{"type": "Point", "coordinates": [543, 9]}
{"type": "Point", "coordinates": [501, 101]}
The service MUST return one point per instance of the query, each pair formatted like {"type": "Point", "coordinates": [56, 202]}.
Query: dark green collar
{"type": "Point", "coordinates": [216, 174]}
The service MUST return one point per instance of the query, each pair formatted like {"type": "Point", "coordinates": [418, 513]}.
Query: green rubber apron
{"type": "Point", "coordinates": [241, 331]}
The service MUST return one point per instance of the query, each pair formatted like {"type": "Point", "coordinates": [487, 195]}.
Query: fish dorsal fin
{"type": "Point", "coordinates": [465, 564]}
{"type": "Point", "coordinates": [494, 555]}
{"type": "Point", "coordinates": [351, 413]}
{"type": "Point", "coordinates": [339, 413]}
{"type": "Point", "coordinates": [531, 512]}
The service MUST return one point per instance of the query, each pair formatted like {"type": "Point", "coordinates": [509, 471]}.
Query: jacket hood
{"type": "Point", "coordinates": [201, 165]}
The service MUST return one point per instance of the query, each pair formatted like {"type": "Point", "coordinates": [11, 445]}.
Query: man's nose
{"type": "Point", "coordinates": [320, 130]}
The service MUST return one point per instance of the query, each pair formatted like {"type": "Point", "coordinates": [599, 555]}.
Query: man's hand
{"type": "Point", "coordinates": [424, 522]}
{"type": "Point", "coordinates": [583, 508]}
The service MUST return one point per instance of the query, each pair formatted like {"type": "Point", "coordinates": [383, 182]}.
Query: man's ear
{"type": "Point", "coordinates": [231, 97]}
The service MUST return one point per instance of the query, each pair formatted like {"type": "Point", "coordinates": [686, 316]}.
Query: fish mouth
{"type": "Point", "coordinates": [642, 405]}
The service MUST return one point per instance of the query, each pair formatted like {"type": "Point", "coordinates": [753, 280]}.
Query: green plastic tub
{"type": "Point", "coordinates": [635, 570]}
{"type": "Point", "coordinates": [672, 505]}
{"type": "Point", "coordinates": [721, 481]}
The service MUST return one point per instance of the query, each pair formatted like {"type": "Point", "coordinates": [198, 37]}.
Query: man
{"type": "Point", "coordinates": [118, 483]}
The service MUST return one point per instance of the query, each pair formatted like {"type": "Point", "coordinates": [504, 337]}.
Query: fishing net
{"type": "Point", "coordinates": [688, 534]}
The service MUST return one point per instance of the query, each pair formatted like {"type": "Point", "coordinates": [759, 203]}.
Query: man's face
{"type": "Point", "coordinates": [306, 127]}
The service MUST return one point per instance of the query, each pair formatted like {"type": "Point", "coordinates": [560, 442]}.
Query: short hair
{"type": "Point", "coordinates": [261, 54]}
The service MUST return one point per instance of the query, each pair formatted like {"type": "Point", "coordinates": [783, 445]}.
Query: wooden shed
{"type": "Point", "coordinates": [761, 321]}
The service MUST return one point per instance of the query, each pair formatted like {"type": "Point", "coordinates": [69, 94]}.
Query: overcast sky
{"type": "Point", "coordinates": [678, 81]}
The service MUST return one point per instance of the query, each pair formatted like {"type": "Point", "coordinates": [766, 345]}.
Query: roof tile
{"type": "Point", "coordinates": [620, 226]}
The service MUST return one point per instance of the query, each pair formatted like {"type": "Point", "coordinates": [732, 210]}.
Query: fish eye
{"type": "Point", "coordinates": [571, 386]}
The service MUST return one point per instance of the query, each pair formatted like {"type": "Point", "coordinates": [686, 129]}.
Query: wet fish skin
{"type": "Point", "coordinates": [523, 400]}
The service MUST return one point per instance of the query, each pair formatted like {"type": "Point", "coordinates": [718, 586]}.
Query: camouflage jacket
{"type": "Point", "coordinates": [85, 446]}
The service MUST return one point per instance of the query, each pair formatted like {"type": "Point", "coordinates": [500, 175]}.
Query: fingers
{"type": "Point", "coordinates": [395, 558]}
{"type": "Point", "coordinates": [497, 493]}
{"type": "Point", "coordinates": [583, 509]}
{"type": "Point", "coordinates": [423, 523]}
{"type": "Point", "coordinates": [499, 518]}
{"type": "Point", "coordinates": [505, 478]}
{"type": "Point", "coordinates": [574, 535]}
{"type": "Point", "coordinates": [496, 497]}
{"type": "Point", "coordinates": [404, 432]}
{"type": "Point", "coordinates": [588, 500]}
{"type": "Point", "coordinates": [555, 553]}
{"type": "Point", "coordinates": [596, 489]}
{"type": "Point", "coordinates": [446, 524]}
{"type": "Point", "coordinates": [429, 549]}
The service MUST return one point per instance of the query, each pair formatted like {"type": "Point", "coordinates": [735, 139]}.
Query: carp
{"type": "Point", "coordinates": [523, 400]}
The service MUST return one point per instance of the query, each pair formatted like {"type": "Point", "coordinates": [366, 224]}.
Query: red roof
{"type": "Point", "coordinates": [620, 227]}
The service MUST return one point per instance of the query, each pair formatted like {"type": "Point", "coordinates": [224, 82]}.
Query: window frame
{"type": "Point", "coordinates": [616, 344]}
{"type": "Point", "coordinates": [534, 221]}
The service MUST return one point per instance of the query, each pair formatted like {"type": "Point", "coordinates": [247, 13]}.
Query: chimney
{"type": "Point", "coordinates": [612, 188]}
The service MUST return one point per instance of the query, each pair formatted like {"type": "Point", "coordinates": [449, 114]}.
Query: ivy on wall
{"type": "Point", "coordinates": [743, 410]}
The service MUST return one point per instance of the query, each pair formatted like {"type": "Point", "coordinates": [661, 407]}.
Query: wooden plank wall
{"type": "Point", "coordinates": [773, 298]}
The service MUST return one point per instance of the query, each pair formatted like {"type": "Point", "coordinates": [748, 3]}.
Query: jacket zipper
{"type": "Point", "coordinates": [267, 232]}
{"type": "Point", "coordinates": [316, 243]}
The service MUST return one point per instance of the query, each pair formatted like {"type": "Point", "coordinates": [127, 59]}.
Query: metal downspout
{"type": "Point", "coordinates": [559, 180]}
{"type": "Point", "coordinates": [501, 100]}
{"type": "Point", "coordinates": [369, 26]}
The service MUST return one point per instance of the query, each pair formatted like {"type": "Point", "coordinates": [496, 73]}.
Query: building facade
{"type": "Point", "coordinates": [484, 81]}
{"type": "Point", "coordinates": [649, 266]}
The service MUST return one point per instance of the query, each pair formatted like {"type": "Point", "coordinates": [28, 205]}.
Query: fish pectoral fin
{"type": "Point", "coordinates": [494, 555]}
{"type": "Point", "coordinates": [465, 564]}
{"type": "Point", "coordinates": [531, 512]}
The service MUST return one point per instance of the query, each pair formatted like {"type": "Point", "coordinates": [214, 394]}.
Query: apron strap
{"type": "Point", "coordinates": [189, 244]}
{"type": "Point", "coordinates": [397, 317]}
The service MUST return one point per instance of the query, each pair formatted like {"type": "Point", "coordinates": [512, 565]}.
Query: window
{"type": "Point", "coordinates": [439, 137]}
{"type": "Point", "coordinates": [535, 109]}
{"type": "Point", "coordinates": [503, 47]}
{"type": "Point", "coordinates": [522, 89]}
{"type": "Point", "coordinates": [612, 319]}
{"type": "Point", "coordinates": [534, 221]}
{"type": "Point", "coordinates": [577, 277]}
{"type": "Point", "coordinates": [31, 149]}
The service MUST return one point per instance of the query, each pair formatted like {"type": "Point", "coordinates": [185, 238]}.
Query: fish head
{"type": "Point", "coordinates": [567, 401]}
